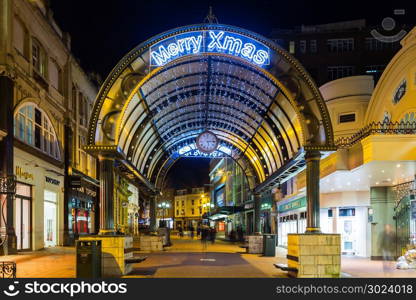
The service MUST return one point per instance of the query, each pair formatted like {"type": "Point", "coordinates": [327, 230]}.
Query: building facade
{"type": "Point", "coordinates": [336, 50]}
{"type": "Point", "coordinates": [232, 204]}
{"type": "Point", "coordinates": [367, 185]}
{"type": "Point", "coordinates": [46, 98]}
{"type": "Point", "coordinates": [189, 207]}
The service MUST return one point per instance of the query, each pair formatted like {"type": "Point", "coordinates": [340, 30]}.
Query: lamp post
{"type": "Point", "coordinates": [164, 205]}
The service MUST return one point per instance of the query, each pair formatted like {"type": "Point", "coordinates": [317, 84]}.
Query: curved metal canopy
{"type": "Point", "coordinates": [263, 115]}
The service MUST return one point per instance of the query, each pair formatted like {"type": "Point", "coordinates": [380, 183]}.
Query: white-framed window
{"type": "Point", "coordinates": [340, 45]}
{"type": "Point", "coordinates": [33, 127]}
{"type": "Point", "coordinates": [314, 46]}
{"type": "Point", "coordinates": [38, 58]}
{"type": "Point", "coordinates": [373, 44]}
{"type": "Point", "coordinates": [302, 46]}
{"type": "Point", "coordinates": [335, 72]}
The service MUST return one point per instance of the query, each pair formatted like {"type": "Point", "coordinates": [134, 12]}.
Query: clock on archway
{"type": "Point", "coordinates": [207, 142]}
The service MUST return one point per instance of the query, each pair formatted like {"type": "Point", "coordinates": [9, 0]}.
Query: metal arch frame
{"type": "Point", "coordinates": [297, 86]}
{"type": "Point", "coordinates": [268, 154]}
{"type": "Point", "coordinates": [163, 170]}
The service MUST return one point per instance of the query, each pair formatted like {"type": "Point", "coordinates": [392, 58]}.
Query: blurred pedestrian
{"type": "Point", "coordinates": [240, 236]}
{"type": "Point", "coordinates": [198, 230]}
{"type": "Point", "coordinates": [191, 232]}
{"type": "Point", "coordinates": [213, 235]}
{"type": "Point", "coordinates": [388, 247]}
{"type": "Point", "coordinates": [180, 230]}
{"type": "Point", "coordinates": [204, 237]}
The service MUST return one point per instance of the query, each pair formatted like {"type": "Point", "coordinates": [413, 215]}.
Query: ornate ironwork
{"type": "Point", "coordinates": [7, 269]}
{"type": "Point", "coordinates": [377, 128]}
{"type": "Point", "coordinates": [8, 185]}
{"type": "Point", "coordinates": [404, 189]}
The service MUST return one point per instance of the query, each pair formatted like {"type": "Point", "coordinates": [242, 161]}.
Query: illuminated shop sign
{"type": "Point", "coordinates": [211, 41]}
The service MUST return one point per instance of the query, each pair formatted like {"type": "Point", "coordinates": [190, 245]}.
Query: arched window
{"type": "Point", "coordinates": [32, 126]}
{"type": "Point", "coordinates": [38, 58]}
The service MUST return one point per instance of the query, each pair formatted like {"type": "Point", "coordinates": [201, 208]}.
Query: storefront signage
{"type": "Point", "coordinates": [20, 173]}
{"type": "Point", "coordinates": [52, 181]}
{"type": "Point", "coordinates": [87, 191]}
{"type": "Point", "coordinates": [75, 181]}
{"type": "Point", "coordinates": [211, 41]}
{"type": "Point", "coordinates": [294, 204]}
{"type": "Point", "coordinates": [249, 206]}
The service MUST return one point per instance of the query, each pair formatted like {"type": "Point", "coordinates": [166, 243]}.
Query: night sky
{"type": "Point", "coordinates": [103, 31]}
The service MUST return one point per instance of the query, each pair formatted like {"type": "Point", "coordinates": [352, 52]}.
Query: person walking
{"type": "Point", "coordinates": [180, 231]}
{"type": "Point", "coordinates": [191, 232]}
{"type": "Point", "coordinates": [204, 237]}
{"type": "Point", "coordinates": [198, 230]}
{"type": "Point", "coordinates": [213, 234]}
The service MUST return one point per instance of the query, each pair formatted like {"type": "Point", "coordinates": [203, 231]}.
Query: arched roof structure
{"type": "Point", "coordinates": [259, 101]}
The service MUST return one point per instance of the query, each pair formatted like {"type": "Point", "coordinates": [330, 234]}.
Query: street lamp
{"type": "Point", "coordinates": [164, 205]}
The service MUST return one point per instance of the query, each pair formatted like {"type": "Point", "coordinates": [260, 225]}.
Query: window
{"type": "Point", "coordinates": [340, 45]}
{"type": "Point", "coordinates": [20, 38]}
{"type": "Point", "coordinates": [372, 44]}
{"type": "Point", "coordinates": [314, 47]}
{"type": "Point", "coordinates": [336, 72]}
{"type": "Point", "coordinates": [292, 47]}
{"type": "Point", "coordinates": [193, 211]}
{"type": "Point", "coordinates": [329, 213]}
{"type": "Point", "coordinates": [82, 110]}
{"type": "Point", "coordinates": [38, 58]}
{"type": "Point", "coordinates": [177, 212]}
{"type": "Point", "coordinates": [347, 212]}
{"type": "Point", "coordinates": [33, 127]}
{"type": "Point", "coordinates": [193, 202]}
{"type": "Point", "coordinates": [346, 118]}
{"type": "Point", "coordinates": [302, 46]}
{"type": "Point", "coordinates": [74, 101]}
{"type": "Point", "coordinates": [55, 76]}
{"type": "Point", "coordinates": [183, 203]}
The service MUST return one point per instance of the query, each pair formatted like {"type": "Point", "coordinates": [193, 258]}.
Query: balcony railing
{"type": "Point", "coordinates": [377, 128]}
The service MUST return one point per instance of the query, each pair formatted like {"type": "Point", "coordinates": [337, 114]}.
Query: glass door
{"type": "Point", "coordinates": [50, 223]}
{"type": "Point", "coordinates": [22, 216]}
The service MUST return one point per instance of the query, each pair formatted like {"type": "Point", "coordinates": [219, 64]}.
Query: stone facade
{"type": "Point", "coordinates": [314, 255]}
{"type": "Point", "coordinates": [149, 243]}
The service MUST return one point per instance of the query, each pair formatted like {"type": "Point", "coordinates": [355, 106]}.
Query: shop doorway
{"type": "Point", "coordinates": [50, 223]}
{"type": "Point", "coordinates": [22, 216]}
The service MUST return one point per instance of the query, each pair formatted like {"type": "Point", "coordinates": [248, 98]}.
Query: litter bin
{"type": "Point", "coordinates": [88, 263]}
{"type": "Point", "coordinates": [269, 244]}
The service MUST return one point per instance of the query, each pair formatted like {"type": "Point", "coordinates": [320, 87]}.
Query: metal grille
{"type": "Point", "coordinates": [8, 185]}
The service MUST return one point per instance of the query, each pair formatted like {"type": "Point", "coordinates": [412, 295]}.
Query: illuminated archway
{"type": "Point", "coordinates": [257, 99]}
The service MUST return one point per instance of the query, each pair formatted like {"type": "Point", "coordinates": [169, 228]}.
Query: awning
{"type": "Point", "coordinates": [222, 212]}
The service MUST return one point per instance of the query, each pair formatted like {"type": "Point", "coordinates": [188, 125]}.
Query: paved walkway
{"type": "Point", "coordinates": [187, 258]}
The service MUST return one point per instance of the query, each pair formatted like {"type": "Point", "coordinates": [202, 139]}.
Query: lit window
{"type": "Point", "coordinates": [38, 58]}
{"type": "Point", "coordinates": [292, 47]}
{"type": "Point", "coordinates": [33, 127]}
{"type": "Point", "coordinates": [340, 45]}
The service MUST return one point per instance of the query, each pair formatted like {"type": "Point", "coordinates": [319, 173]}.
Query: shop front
{"type": "Point", "coordinates": [38, 219]}
{"type": "Point", "coordinates": [82, 207]}
{"type": "Point", "coordinates": [291, 218]}
{"type": "Point", "coordinates": [405, 216]}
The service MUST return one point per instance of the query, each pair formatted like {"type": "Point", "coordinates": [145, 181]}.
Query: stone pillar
{"type": "Point", "coordinates": [6, 157]}
{"type": "Point", "coordinates": [152, 213]}
{"type": "Point", "coordinates": [257, 225]}
{"type": "Point", "coordinates": [312, 191]}
{"type": "Point", "coordinates": [67, 188]}
{"type": "Point", "coordinates": [106, 195]}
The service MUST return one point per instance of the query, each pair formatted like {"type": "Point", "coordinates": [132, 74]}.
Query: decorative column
{"type": "Point", "coordinates": [312, 191]}
{"type": "Point", "coordinates": [106, 195]}
{"type": "Point", "coordinates": [152, 213]}
{"type": "Point", "coordinates": [257, 200]}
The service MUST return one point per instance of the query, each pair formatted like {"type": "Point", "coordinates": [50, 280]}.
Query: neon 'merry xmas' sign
{"type": "Point", "coordinates": [211, 41]}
